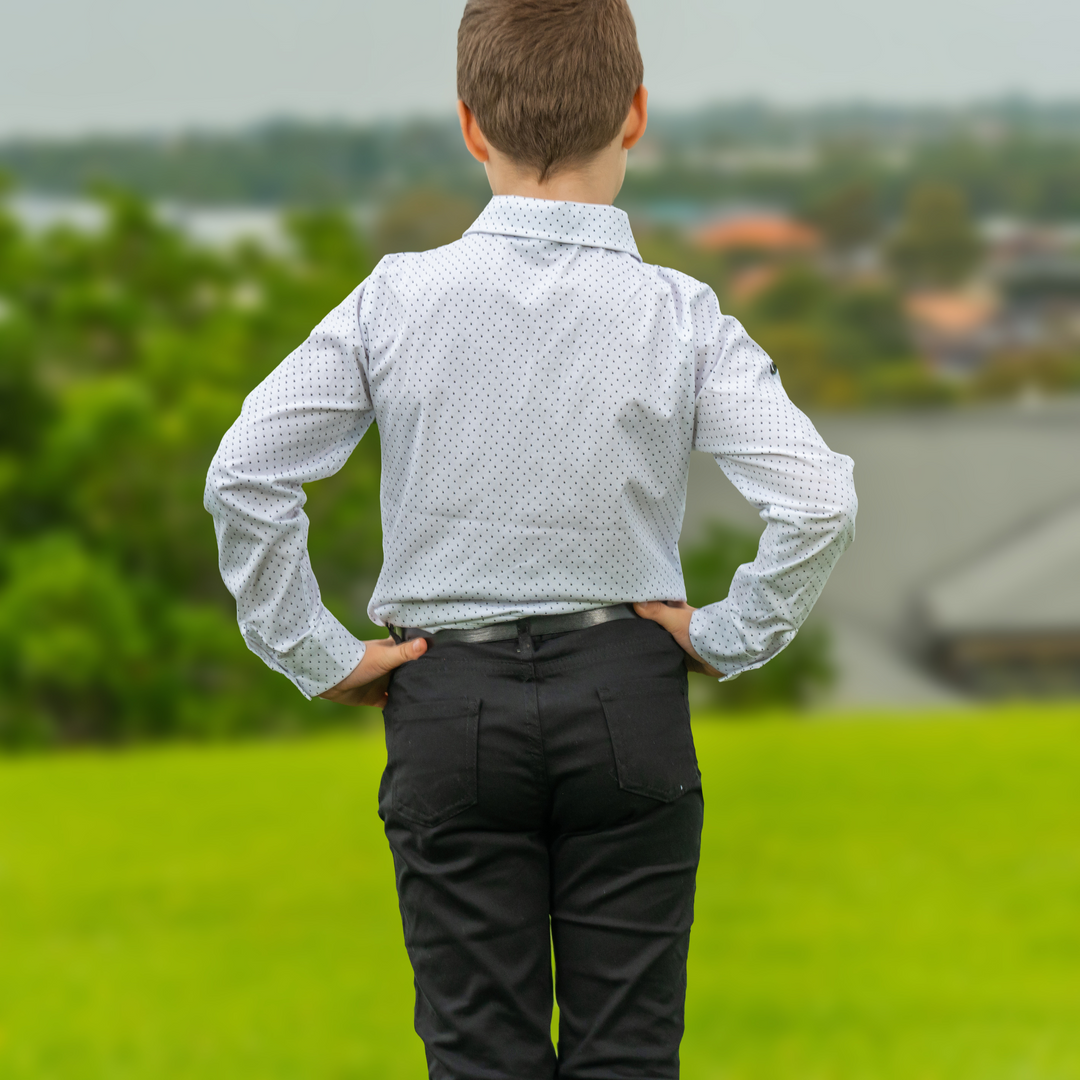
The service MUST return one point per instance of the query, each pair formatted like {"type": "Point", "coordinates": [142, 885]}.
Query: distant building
{"type": "Point", "coordinates": [954, 329]}
{"type": "Point", "coordinates": [1026, 299]}
{"type": "Point", "coordinates": [762, 233]}
{"type": "Point", "coordinates": [1041, 301]}
{"type": "Point", "coordinates": [1007, 620]}
{"type": "Point", "coordinates": [964, 577]}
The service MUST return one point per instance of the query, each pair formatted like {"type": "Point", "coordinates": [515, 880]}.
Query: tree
{"type": "Point", "coordinates": [847, 216]}
{"type": "Point", "coordinates": [124, 355]}
{"type": "Point", "coordinates": [831, 340]}
{"type": "Point", "coordinates": [936, 243]}
{"type": "Point", "coordinates": [423, 218]}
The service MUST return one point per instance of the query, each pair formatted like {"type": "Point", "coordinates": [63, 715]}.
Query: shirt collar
{"type": "Point", "coordinates": [588, 224]}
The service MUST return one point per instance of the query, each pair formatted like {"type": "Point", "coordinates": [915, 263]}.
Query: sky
{"type": "Point", "coordinates": [95, 66]}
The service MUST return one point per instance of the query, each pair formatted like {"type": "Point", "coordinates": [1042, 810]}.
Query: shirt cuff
{"type": "Point", "coordinates": [319, 660]}
{"type": "Point", "coordinates": [716, 638]}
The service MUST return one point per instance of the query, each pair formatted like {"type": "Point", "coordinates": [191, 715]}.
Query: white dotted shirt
{"type": "Point", "coordinates": [538, 390]}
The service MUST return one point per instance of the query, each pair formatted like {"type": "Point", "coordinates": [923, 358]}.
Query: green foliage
{"type": "Point", "coordinates": [1038, 370]}
{"type": "Point", "coordinates": [275, 164]}
{"type": "Point", "coordinates": [936, 243]}
{"type": "Point", "coordinates": [847, 215]}
{"type": "Point", "coordinates": [873, 318]}
{"type": "Point", "coordinates": [123, 358]}
{"type": "Point", "coordinates": [909, 385]}
{"type": "Point", "coordinates": [789, 679]}
{"type": "Point", "coordinates": [24, 405]}
{"type": "Point", "coordinates": [839, 344]}
{"type": "Point", "coordinates": [424, 218]}
{"type": "Point", "coordinates": [799, 294]}
{"type": "Point", "coordinates": [71, 639]}
{"type": "Point", "coordinates": [667, 247]}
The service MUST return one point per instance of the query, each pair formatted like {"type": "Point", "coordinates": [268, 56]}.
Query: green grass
{"type": "Point", "coordinates": [876, 900]}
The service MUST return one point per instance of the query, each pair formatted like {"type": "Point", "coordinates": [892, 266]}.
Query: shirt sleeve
{"type": "Point", "coordinates": [803, 491]}
{"type": "Point", "coordinates": [300, 424]}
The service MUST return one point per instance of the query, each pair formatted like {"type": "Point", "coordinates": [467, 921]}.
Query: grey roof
{"type": "Point", "coordinates": [1029, 583]}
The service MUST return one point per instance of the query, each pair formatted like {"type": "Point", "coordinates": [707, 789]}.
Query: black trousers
{"type": "Point", "coordinates": [543, 795]}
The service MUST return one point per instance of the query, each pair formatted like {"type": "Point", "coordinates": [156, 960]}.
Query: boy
{"type": "Point", "coordinates": [538, 390]}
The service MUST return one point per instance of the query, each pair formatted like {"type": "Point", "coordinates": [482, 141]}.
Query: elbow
{"type": "Point", "coordinates": [846, 511]}
{"type": "Point", "coordinates": [210, 501]}
{"type": "Point", "coordinates": [849, 508]}
{"type": "Point", "coordinates": [210, 491]}
{"type": "Point", "coordinates": [847, 502]}
{"type": "Point", "coordinates": [218, 478]}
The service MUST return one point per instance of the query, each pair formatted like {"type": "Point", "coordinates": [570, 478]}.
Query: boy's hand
{"type": "Point", "coordinates": [369, 679]}
{"type": "Point", "coordinates": [674, 617]}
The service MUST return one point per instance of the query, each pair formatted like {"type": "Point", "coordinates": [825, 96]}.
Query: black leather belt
{"type": "Point", "coordinates": [534, 626]}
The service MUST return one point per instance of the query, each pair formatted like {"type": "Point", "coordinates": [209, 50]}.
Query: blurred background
{"type": "Point", "coordinates": [887, 196]}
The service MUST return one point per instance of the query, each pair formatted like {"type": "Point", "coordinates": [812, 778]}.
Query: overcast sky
{"type": "Point", "coordinates": [75, 66]}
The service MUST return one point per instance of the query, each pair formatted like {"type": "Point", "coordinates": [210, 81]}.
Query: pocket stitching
{"type": "Point", "coordinates": [470, 713]}
{"type": "Point", "coordinates": [608, 696]}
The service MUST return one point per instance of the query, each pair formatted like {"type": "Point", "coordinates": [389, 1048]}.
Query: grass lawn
{"type": "Point", "coordinates": [876, 900]}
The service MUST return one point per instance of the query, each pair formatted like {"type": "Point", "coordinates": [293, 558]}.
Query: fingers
{"type": "Point", "coordinates": [369, 693]}
{"type": "Point", "coordinates": [658, 612]}
{"type": "Point", "coordinates": [699, 666]}
{"type": "Point", "coordinates": [374, 694]}
{"type": "Point", "coordinates": [674, 616]}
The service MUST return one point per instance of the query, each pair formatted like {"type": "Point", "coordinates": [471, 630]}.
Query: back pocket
{"type": "Point", "coordinates": [649, 723]}
{"type": "Point", "coordinates": [431, 759]}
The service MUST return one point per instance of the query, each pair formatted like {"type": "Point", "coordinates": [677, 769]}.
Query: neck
{"type": "Point", "coordinates": [597, 181]}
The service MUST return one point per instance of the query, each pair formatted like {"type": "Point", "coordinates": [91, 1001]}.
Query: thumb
{"type": "Point", "coordinates": [401, 654]}
{"type": "Point", "coordinates": [408, 650]}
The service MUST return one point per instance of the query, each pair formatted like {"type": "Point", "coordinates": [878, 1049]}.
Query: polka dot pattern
{"type": "Point", "coordinates": [538, 390]}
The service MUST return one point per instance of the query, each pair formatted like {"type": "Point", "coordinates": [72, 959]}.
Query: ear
{"type": "Point", "coordinates": [637, 119]}
{"type": "Point", "coordinates": [471, 133]}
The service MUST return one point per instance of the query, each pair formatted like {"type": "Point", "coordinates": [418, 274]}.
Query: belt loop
{"type": "Point", "coordinates": [524, 645]}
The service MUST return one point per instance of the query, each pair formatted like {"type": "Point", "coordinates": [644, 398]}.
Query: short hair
{"type": "Point", "coordinates": [550, 82]}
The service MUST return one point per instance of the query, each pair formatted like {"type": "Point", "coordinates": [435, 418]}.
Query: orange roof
{"type": "Point", "coordinates": [949, 312]}
{"type": "Point", "coordinates": [760, 232]}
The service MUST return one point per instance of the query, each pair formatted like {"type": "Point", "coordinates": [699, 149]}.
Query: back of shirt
{"type": "Point", "coordinates": [535, 402]}
{"type": "Point", "coordinates": [538, 391]}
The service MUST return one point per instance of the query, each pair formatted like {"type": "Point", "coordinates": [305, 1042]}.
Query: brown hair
{"type": "Point", "coordinates": [549, 81]}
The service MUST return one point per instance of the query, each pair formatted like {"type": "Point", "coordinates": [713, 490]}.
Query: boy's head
{"type": "Point", "coordinates": [549, 82]}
